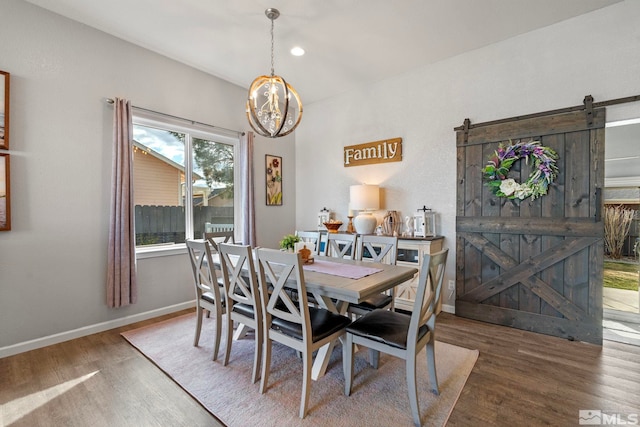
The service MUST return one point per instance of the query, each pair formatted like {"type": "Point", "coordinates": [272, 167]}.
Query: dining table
{"type": "Point", "coordinates": [337, 282]}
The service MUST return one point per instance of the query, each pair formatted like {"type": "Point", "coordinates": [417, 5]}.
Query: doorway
{"type": "Point", "coordinates": [621, 295]}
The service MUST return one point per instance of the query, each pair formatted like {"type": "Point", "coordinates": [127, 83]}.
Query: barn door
{"type": "Point", "coordinates": [533, 264]}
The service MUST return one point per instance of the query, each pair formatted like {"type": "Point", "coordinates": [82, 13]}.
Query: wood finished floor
{"type": "Point", "coordinates": [520, 379]}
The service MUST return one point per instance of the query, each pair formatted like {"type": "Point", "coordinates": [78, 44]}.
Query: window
{"type": "Point", "coordinates": [183, 179]}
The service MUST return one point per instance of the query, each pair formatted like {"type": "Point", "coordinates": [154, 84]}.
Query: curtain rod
{"type": "Point", "coordinates": [193, 122]}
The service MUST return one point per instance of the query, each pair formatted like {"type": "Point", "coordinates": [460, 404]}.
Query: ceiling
{"type": "Point", "coordinates": [622, 149]}
{"type": "Point", "coordinates": [348, 43]}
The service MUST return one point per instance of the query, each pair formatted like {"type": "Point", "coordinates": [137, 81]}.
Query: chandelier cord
{"type": "Point", "coordinates": [272, 67]}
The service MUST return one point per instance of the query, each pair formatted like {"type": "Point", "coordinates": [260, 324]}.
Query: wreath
{"type": "Point", "coordinates": [544, 172]}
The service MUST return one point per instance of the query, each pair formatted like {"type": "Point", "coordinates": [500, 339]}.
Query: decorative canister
{"type": "Point", "coordinates": [391, 224]}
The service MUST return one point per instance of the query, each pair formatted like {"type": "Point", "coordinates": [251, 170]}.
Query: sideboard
{"type": "Point", "coordinates": [411, 251]}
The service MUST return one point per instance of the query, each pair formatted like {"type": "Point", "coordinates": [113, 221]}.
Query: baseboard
{"type": "Point", "coordinates": [91, 329]}
{"type": "Point", "coordinates": [449, 308]}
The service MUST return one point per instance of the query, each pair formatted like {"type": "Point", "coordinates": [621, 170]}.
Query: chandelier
{"type": "Point", "coordinates": [273, 107]}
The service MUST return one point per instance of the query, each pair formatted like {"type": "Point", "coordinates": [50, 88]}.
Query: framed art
{"type": "Point", "coordinates": [273, 169]}
{"type": "Point", "coordinates": [5, 194]}
{"type": "Point", "coordinates": [4, 110]}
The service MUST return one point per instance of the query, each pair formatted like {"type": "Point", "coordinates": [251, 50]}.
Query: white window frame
{"type": "Point", "coordinates": [191, 130]}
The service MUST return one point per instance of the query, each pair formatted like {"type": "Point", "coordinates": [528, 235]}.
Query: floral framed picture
{"type": "Point", "coordinates": [5, 195]}
{"type": "Point", "coordinates": [273, 169]}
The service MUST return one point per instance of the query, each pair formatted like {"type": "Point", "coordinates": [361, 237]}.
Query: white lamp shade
{"type": "Point", "coordinates": [364, 197]}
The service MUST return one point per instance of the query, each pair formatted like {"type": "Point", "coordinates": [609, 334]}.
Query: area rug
{"type": "Point", "coordinates": [378, 398]}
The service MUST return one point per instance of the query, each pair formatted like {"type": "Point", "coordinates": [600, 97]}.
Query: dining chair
{"type": "Point", "coordinates": [400, 334]}
{"type": "Point", "coordinates": [382, 249]}
{"type": "Point", "coordinates": [208, 295]}
{"type": "Point", "coordinates": [340, 245]}
{"type": "Point", "coordinates": [217, 237]}
{"type": "Point", "coordinates": [310, 237]}
{"type": "Point", "coordinates": [242, 294]}
{"type": "Point", "coordinates": [292, 323]}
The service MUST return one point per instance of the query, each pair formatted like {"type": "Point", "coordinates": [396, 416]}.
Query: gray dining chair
{"type": "Point", "coordinates": [340, 245]}
{"type": "Point", "coordinates": [402, 335]}
{"type": "Point", "coordinates": [208, 295]}
{"type": "Point", "coordinates": [382, 249]}
{"type": "Point", "coordinates": [292, 323]}
{"type": "Point", "coordinates": [310, 237]}
{"type": "Point", "coordinates": [242, 294]}
{"type": "Point", "coordinates": [215, 238]}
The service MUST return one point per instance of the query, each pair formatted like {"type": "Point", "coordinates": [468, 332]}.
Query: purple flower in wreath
{"type": "Point", "coordinates": [543, 161]}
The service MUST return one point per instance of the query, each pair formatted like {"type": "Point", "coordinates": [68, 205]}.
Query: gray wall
{"type": "Point", "coordinates": [53, 262]}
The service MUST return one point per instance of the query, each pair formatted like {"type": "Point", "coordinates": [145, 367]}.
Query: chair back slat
{"type": "Point", "coordinates": [217, 237]}
{"type": "Point", "coordinates": [239, 273]}
{"type": "Point", "coordinates": [334, 240]}
{"type": "Point", "coordinates": [428, 292]}
{"type": "Point", "coordinates": [383, 249]}
{"type": "Point", "coordinates": [279, 271]}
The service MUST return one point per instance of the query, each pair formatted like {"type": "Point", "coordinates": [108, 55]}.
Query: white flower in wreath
{"type": "Point", "coordinates": [508, 186]}
{"type": "Point", "coordinates": [522, 192]}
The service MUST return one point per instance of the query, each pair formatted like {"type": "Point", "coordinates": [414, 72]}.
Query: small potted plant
{"type": "Point", "coordinates": [289, 241]}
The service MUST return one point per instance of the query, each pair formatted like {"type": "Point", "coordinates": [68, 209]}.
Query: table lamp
{"type": "Point", "coordinates": [364, 198]}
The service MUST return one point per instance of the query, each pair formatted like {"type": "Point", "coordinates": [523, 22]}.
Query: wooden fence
{"type": "Point", "coordinates": [166, 224]}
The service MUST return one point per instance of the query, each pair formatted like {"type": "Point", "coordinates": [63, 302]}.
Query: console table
{"type": "Point", "coordinates": [411, 251]}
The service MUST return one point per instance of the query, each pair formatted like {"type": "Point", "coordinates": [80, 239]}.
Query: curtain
{"type": "Point", "coordinates": [121, 269]}
{"type": "Point", "coordinates": [247, 205]}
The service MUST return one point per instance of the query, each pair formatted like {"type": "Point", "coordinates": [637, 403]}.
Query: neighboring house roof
{"type": "Point", "coordinates": [165, 159]}
{"type": "Point", "coordinates": [215, 193]}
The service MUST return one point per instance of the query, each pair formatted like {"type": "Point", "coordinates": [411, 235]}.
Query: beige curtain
{"type": "Point", "coordinates": [247, 203]}
{"type": "Point", "coordinates": [121, 269]}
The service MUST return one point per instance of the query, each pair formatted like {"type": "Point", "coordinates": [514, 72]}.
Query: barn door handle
{"type": "Point", "coordinates": [598, 204]}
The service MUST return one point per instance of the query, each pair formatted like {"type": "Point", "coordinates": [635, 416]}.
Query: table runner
{"type": "Point", "coordinates": [343, 270]}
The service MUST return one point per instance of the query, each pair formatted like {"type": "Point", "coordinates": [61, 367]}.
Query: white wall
{"type": "Point", "coordinates": [555, 67]}
{"type": "Point", "coordinates": [53, 262]}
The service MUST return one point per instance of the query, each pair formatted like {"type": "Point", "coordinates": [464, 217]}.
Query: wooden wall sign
{"type": "Point", "coordinates": [388, 150]}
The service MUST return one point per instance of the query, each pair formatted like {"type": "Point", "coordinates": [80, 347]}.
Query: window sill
{"type": "Point", "coordinates": [161, 250]}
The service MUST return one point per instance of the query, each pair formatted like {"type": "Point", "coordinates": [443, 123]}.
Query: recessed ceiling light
{"type": "Point", "coordinates": [297, 51]}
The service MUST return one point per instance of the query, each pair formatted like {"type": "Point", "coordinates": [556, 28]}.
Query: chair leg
{"type": "Point", "coordinates": [306, 382]}
{"type": "Point", "coordinates": [412, 388]}
{"type": "Point", "coordinates": [198, 326]}
{"type": "Point", "coordinates": [257, 357]}
{"type": "Point", "coordinates": [347, 364]}
{"type": "Point", "coordinates": [241, 332]}
{"type": "Point", "coordinates": [266, 363]}
{"type": "Point", "coordinates": [229, 330]}
{"type": "Point", "coordinates": [374, 358]}
{"type": "Point", "coordinates": [431, 363]}
{"type": "Point", "coordinates": [216, 345]}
